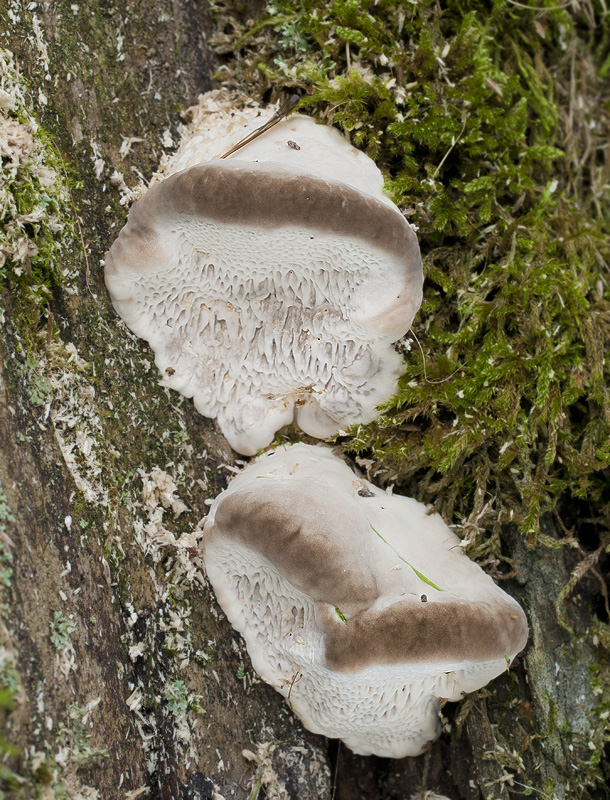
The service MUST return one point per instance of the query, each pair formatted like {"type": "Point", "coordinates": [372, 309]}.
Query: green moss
{"type": "Point", "coordinates": [504, 396]}
{"type": "Point", "coordinates": [176, 697]}
{"type": "Point", "coordinates": [11, 689]}
{"type": "Point", "coordinates": [36, 212]}
{"type": "Point", "coordinates": [37, 386]}
{"type": "Point", "coordinates": [61, 630]}
{"type": "Point", "coordinates": [48, 776]}
{"type": "Point", "coordinates": [490, 123]}
{"type": "Point", "coordinates": [8, 778]}
{"type": "Point", "coordinates": [179, 700]}
{"type": "Point", "coordinates": [75, 738]}
{"type": "Point", "coordinates": [551, 715]}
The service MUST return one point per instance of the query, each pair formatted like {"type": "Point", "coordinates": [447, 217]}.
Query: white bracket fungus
{"type": "Point", "coordinates": [271, 284]}
{"type": "Point", "coordinates": [359, 607]}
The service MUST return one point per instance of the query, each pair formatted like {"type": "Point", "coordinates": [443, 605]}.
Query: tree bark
{"type": "Point", "coordinates": [132, 681]}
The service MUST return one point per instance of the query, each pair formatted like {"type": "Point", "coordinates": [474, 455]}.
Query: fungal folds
{"type": "Point", "coordinates": [271, 284]}
{"type": "Point", "coordinates": [359, 607]}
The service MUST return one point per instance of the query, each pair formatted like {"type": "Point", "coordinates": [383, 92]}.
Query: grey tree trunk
{"type": "Point", "coordinates": [122, 678]}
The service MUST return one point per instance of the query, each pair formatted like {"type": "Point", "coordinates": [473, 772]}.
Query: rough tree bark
{"type": "Point", "coordinates": [132, 681]}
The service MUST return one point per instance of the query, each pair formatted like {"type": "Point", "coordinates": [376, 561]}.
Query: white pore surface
{"type": "Point", "coordinates": [266, 327]}
{"type": "Point", "coordinates": [387, 710]}
{"type": "Point", "coordinates": [260, 334]}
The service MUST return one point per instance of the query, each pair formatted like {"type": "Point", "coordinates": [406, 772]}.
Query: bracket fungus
{"type": "Point", "coordinates": [271, 284]}
{"type": "Point", "coordinates": [359, 607]}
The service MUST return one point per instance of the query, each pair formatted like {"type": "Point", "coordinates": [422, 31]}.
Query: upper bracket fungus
{"type": "Point", "coordinates": [359, 607]}
{"type": "Point", "coordinates": [270, 284]}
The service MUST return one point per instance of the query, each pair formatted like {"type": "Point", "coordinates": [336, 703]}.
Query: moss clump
{"type": "Point", "coordinates": [9, 779]}
{"type": "Point", "coordinates": [490, 122]}
{"type": "Point", "coordinates": [503, 413]}
{"type": "Point", "coordinates": [178, 699]}
{"type": "Point", "coordinates": [61, 630]}
{"type": "Point", "coordinates": [35, 206]}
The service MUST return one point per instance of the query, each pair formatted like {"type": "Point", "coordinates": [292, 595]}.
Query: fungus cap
{"type": "Point", "coordinates": [357, 606]}
{"type": "Point", "coordinates": [271, 284]}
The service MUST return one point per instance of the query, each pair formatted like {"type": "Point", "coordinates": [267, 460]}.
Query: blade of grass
{"type": "Point", "coordinates": [419, 574]}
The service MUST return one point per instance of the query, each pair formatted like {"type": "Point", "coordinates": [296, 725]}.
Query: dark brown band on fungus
{"type": "Point", "coordinates": [415, 632]}
{"type": "Point", "coordinates": [251, 194]}
{"type": "Point", "coordinates": [289, 525]}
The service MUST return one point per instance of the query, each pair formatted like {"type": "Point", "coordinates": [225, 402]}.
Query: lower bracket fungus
{"type": "Point", "coordinates": [357, 606]}
{"type": "Point", "coordinates": [271, 284]}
